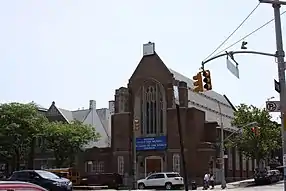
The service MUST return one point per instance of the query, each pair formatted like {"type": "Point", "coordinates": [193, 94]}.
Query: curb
{"type": "Point", "coordinates": [90, 187]}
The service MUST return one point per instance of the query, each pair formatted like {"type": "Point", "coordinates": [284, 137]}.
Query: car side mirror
{"type": "Point", "coordinates": [37, 177]}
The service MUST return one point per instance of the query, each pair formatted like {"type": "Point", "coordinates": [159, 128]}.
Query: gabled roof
{"type": "Point", "coordinates": [66, 114]}
{"type": "Point", "coordinates": [82, 115]}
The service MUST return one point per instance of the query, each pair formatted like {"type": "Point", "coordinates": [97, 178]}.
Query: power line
{"type": "Point", "coordinates": [262, 26]}
{"type": "Point", "coordinates": [234, 30]}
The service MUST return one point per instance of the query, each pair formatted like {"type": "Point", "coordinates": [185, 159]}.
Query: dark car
{"type": "Point", "coordinates": [111, 180]}
{"type": "Point", "coordinates": [45, 179]}
{"type": "Point", "coordinates": [23, 186]}
{"type": "Point", "coordinates": [267, 176]}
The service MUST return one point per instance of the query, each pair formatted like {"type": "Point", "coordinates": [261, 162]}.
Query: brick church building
{"type": "Point", "coordinates": [149, 99]}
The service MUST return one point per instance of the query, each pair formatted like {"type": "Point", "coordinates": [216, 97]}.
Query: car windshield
{"type": "Point", "coordinates": [47, 175]}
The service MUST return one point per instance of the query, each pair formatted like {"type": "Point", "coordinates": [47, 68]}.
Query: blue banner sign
{"type": "Point", "coordinates": [151, 143]}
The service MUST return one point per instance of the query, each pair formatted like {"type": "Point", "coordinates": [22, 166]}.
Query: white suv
{"type": "Point", "coordinates": [168, 180]}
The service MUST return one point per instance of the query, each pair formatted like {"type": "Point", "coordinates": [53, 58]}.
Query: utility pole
{"type": "Point", "coordinates": [134, 125]}
{"type": "Point", "coordinates": [134, 128]}
{"type": "Point", "coordinates": [281, 72]}
{"type": "Point", "coordinates": [182, 148]}
{"type": "Point", "coordinates": [223, 182]}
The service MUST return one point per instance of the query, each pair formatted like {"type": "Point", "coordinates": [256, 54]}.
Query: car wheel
{"type": "Point", "coordinates": [168, 186]}
{"type": "Point", "coordinates": [141, 186]}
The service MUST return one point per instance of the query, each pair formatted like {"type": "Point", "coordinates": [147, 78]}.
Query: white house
{"type": "Point", "coordinates": [99, 118]}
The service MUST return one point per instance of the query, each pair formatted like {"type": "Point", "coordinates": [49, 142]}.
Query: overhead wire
{"type": "Point", "coordinates": [234, 31]}
{"type": "Point", "coordinates": [249, 34]}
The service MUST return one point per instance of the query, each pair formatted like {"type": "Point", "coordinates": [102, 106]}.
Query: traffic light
{"type": "Point", "coordinates": [207, 80]}
{"type": "Point", "coordinates": [255, 130]}
{"type": "Point", "coordinates": [198, 82]}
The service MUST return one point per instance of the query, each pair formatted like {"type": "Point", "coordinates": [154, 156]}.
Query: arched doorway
{"type": "Point", "coordinates": [153, 164]}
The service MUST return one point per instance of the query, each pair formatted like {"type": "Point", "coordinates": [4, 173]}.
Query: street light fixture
{"type": "Point", "coordinates": [239, 130]}
{"type": "Point", "coordinates": [243, 45]}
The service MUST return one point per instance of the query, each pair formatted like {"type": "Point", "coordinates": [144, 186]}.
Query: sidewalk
{"type": "Point", "coordinates": [233, 185]}
{"type": "Point", "coordinates": [243, 183]}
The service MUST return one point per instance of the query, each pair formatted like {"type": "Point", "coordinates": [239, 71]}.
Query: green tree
{"type": "Point", "coordinates": [20, 125]}
{"type": "Point", "coordinates": [65, 140]}
{"type": "Point", "coordinates": [265, 138]}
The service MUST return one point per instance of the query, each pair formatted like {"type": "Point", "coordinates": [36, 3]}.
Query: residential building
{"type": "Point", "coordinates": [99, 118]}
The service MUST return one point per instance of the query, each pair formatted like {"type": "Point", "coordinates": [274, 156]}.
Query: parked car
{"type": "Point", "coordinates": [112, 180]}
{"type": "Point", "coordinates": [167, 180]}
{"type": "Point", "coordinates": [267, 176]}
{"type": "Point", "coordinates": [45, 179]}
{"type": "Point", "coordinates": [19, 186]}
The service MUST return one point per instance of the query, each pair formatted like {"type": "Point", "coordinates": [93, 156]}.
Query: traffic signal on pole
{"type": "Point", "coordinates": [207, 80]}
{"type": "Point", "coordinates": [255, 130]}
{"type": "Point", "coordinates": [198, 82]}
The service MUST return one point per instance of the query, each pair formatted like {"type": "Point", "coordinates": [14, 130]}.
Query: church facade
{"type": "Point", "coordinates": [145, 109]}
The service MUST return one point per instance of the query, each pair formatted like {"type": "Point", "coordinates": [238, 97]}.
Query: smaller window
{"type": "Point", "coordinates": [96, 166]}
{"type": "Point", "coordinates": [159, 176]}
{"type": "Point", "coordinates": [173, 175]}
{"type": "Point", "coordinates": [176, 163]}
{"type": "Point", "coordinates": [250, 165]}
{"type": "Point", "coordinates": [156, 176]}
{"type": "Point", "coordinates": [120, 165]}
{"type": "Point", "coordinates": [237, 160]}
{"type": "Point", "coordinates": [151, 177]}
{"type": "Point", "coordinates": [244, 162]}
{"type": "Point", "coordinates": [230, 159]}
{"type": "Point", "coordinates": [22, 175]}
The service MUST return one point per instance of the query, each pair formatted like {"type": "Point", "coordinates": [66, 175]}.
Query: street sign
{"type": "Point", "coordinates": [232, 68]}
{"type": "Point", "coordinates": [277, 86]}
{"type": "Point", "coordinates": [273, 106]}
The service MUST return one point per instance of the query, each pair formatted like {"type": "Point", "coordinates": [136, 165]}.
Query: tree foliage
{"type": "Point", "coordinates": [67, 139]}
{"type": "Point", "coordinates": [255, 145]}
{"type": "Point", "coordinates": [20, 124]}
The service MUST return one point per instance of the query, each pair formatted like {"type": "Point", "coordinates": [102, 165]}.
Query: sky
{"type": "Point", "coordinates": [72, 51]}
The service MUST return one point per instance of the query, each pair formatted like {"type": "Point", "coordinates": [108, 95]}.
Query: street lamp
{"type": "Point", "coordinates": [239, 130]}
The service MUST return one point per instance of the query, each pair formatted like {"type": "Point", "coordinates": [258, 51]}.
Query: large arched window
{"type": "Point", "coordinates": [152, 110]}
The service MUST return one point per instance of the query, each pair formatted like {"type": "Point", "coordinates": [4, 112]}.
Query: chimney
{"type": "Point", "coordinates": [183, 94]}
{"type": "Point", "coordinates": [148, 49]}
{"type": "Point", "coordinates": [92, 104]}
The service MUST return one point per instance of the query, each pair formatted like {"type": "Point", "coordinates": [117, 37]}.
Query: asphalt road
{"type": "Point", "coordinates": [278, 186]}
{"type": "Point", "coordinates": [274, 187]}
